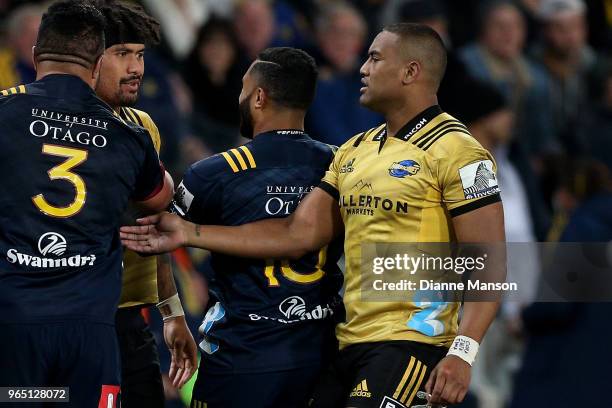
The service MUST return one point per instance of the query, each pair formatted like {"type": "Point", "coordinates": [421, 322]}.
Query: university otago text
{"type": "Point", "coordinates": [434, 272]}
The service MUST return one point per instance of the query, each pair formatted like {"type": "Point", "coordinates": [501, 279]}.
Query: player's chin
{"type": "Point", "coordinates": [366, 100]}
{"type": "Point", "coordinates": [129, 99]}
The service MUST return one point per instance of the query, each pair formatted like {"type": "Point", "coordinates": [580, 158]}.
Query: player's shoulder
{"type": "Point", "coordinates": [15, 90]}
{"type": "Point", "coordinates": [144, 120]}
{"type": "Point", "coordinates": [9, 99]}
{"type": "Point", "coordinates": [136, 116]}
{"type": "Point", "coordinates": [229, 162]}
{"type": "Point", "coordinates": [445, 136]}
{"type": "Point", "coordinates": [362, 137]}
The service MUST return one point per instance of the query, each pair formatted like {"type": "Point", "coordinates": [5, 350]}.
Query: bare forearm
{"type": "Point", "coordinates": [165, 280]}
{"type": "Point", "coordinates": [272, 238]}
{"type": "Point", "coordinates": [477, 317]}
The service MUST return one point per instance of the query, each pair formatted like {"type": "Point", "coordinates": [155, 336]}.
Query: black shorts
{"type": "Point", "coordinates": [82, 356]}
{"type": "Point", "coordinates": [141, 382]}
{"type": "Point", "coordinates": [377, 375]}
{"type": "Point", "coordinates": [278, 389]}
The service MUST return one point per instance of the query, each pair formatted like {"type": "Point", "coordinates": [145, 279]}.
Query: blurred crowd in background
{"type": "Point", "coordinates": [532, 79]}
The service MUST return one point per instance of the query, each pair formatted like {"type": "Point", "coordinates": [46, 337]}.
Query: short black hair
{"type": "Point", "coordinates": [71, 31]}
{"type": "Point", "coordinates": [424, 43]}
{"type": "Point", "coordinates": [288, 75]}
{"type": "Point", "coordinates": [128, 23]}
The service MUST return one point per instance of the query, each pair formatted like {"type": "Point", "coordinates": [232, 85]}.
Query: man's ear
{"type": "Point", "coordinates": [411, 72]}
{"type": "Point", "coordinates": [261, 98]}
{"type": "Point", "coordinates": [34, 62]}
{"type": "Point", "coordinates": [97, 66]}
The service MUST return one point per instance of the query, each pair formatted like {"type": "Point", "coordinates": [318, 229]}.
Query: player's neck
{"type": "Point", "coordinates": [50, 68]}
{"type": "Point", "coordinates": [280, 120]}
{"type": "Point", "coordinates": [401, 113]}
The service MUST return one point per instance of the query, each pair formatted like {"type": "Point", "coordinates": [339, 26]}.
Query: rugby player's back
{"type": "Point", "coordinates": [69, 168]}
{"type": "Point", "coordinates": [275, 314]}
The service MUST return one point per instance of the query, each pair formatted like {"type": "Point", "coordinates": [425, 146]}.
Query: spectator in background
{"type": "Point", "coordinates": [255, 27]}
{"type": "Point", "coordinates": [429, 12]}
{"type": "Point", "coordinates": [562, 366]}
{"type": "Point", "coordinates": [434, 14]}
{"type": "Point", "coordinates": [598, 132]}
{"type": "Point", "coordinates": [213, 75]}
{"type": "Point", "coordinates": [180, 20]}
{"type": "Point", "coordinates": [568, 59]}
{"type": "Point", "coordinates": [267, 23]}
{"type": "Point", "coordinates": [490, 119]}
{"type": "Point", "coordinates": [160, 97]}
{"type": "Point", "coordinates": [16, 66]}
{"type": "Point", "coordinates": [497, 58]}
{"type": "Point", "coordinates": [335, 115]}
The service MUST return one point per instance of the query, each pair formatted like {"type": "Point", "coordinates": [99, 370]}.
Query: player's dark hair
{"type": "Point", "coordinates": [429, 43]}
{"type": "Point", "coordinates": [128, 23]}
{"type": "Point", "coordinates": [288, 75]}
{"type": "Point", "coordinates": [71, 31]}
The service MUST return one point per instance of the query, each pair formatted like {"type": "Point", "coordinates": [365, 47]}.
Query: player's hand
{"type": "Point", "coordinates": [449, 381]}
{"type": "Point", "coordinates": [183, 350]}
{"type": "Point", "coordinates": [156, 234]}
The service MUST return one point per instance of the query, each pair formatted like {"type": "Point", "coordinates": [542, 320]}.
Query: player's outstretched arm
{"type": "Point", "coordinates": [161, 200]}
{"type": "Point", "coordinates": [313, 225]}
{"type": "Point", "coordinates": [450, 379]}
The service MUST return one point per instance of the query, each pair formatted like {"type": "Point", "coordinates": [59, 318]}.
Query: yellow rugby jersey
{"type": "Point", "coordinates": [139, 285]}
{"type": "Point", "coordinates": [405, 188]}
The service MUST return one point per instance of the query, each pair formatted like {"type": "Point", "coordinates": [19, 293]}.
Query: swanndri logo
{"type": "Point", "coordinates": [52, 243]}
{"type": "Point", "coordinates": [293, 306]}
{"type": "Point", "coordinates": [361, 390]}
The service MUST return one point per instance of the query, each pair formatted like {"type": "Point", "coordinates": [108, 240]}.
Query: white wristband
{"type": "Point", "coordinates": [171, 307]}
{"type": "Point", "coordinates": [465, 348]}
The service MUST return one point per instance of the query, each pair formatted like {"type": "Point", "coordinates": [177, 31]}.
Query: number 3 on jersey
{"type": "Point", "coordinates": [62, 172]}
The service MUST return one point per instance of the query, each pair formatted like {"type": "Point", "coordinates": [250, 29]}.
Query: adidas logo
{"type": "Point", "coordinates": [361, 390]}
{"type": "Point", "coordinates": [348, 167]}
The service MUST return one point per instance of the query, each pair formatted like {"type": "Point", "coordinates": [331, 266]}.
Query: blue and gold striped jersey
{"type": "Point", "coordinates": [139, 272]}
{"type": "Point", "coordinates": [265, 315]}
{"type": "Point", "coordinates": [69, 167]}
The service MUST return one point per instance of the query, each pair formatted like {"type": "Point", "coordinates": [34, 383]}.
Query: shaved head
{"type": "Point", "coordinates": [418, 42]}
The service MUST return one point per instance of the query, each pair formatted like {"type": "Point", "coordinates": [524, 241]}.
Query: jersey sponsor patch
{"type": "Point", "coordinates": [182, 199]}
{"type": "Point", "coordinates": [404, 168]}
{"type": "Point", "coordinates": [478, 179]}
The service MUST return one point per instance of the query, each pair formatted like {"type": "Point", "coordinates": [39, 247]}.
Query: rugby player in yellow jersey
{"type": "Point", "coordinates": [420, 177]}
{"type": "Point", "coordinates": [146, 280]}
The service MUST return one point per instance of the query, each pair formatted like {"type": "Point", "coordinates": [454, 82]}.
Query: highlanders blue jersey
{"type": "Point", "coordinates": [265, 315]}
{"type": "Point", "coordinates": [68, 167]}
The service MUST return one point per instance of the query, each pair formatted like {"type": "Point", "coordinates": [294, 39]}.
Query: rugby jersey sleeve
{"type": "Point", "coordinates": [199, 196]}
{"type": "Point", "coordinates": [467, 174]}
{"type": "Point", "coordinates": [150, 180]}
{"type": "Point", "coordinates": [330, 182]}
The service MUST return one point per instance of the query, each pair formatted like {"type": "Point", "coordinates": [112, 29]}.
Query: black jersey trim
{"type": "Point", "coordinates": [329, 189]}
{"type": "Point", "coordinates": [359, 139]}
{"type": "Point", "coordinates": [137, 116]}
{"type": "Point", "coordinates": [418, 122]}
{"type": "Point", "coordinates": [436, 129]}
{"type": "Point", "coordinates": [474, 205]}
{"type": "Point", "coordinates": [426, 145]}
